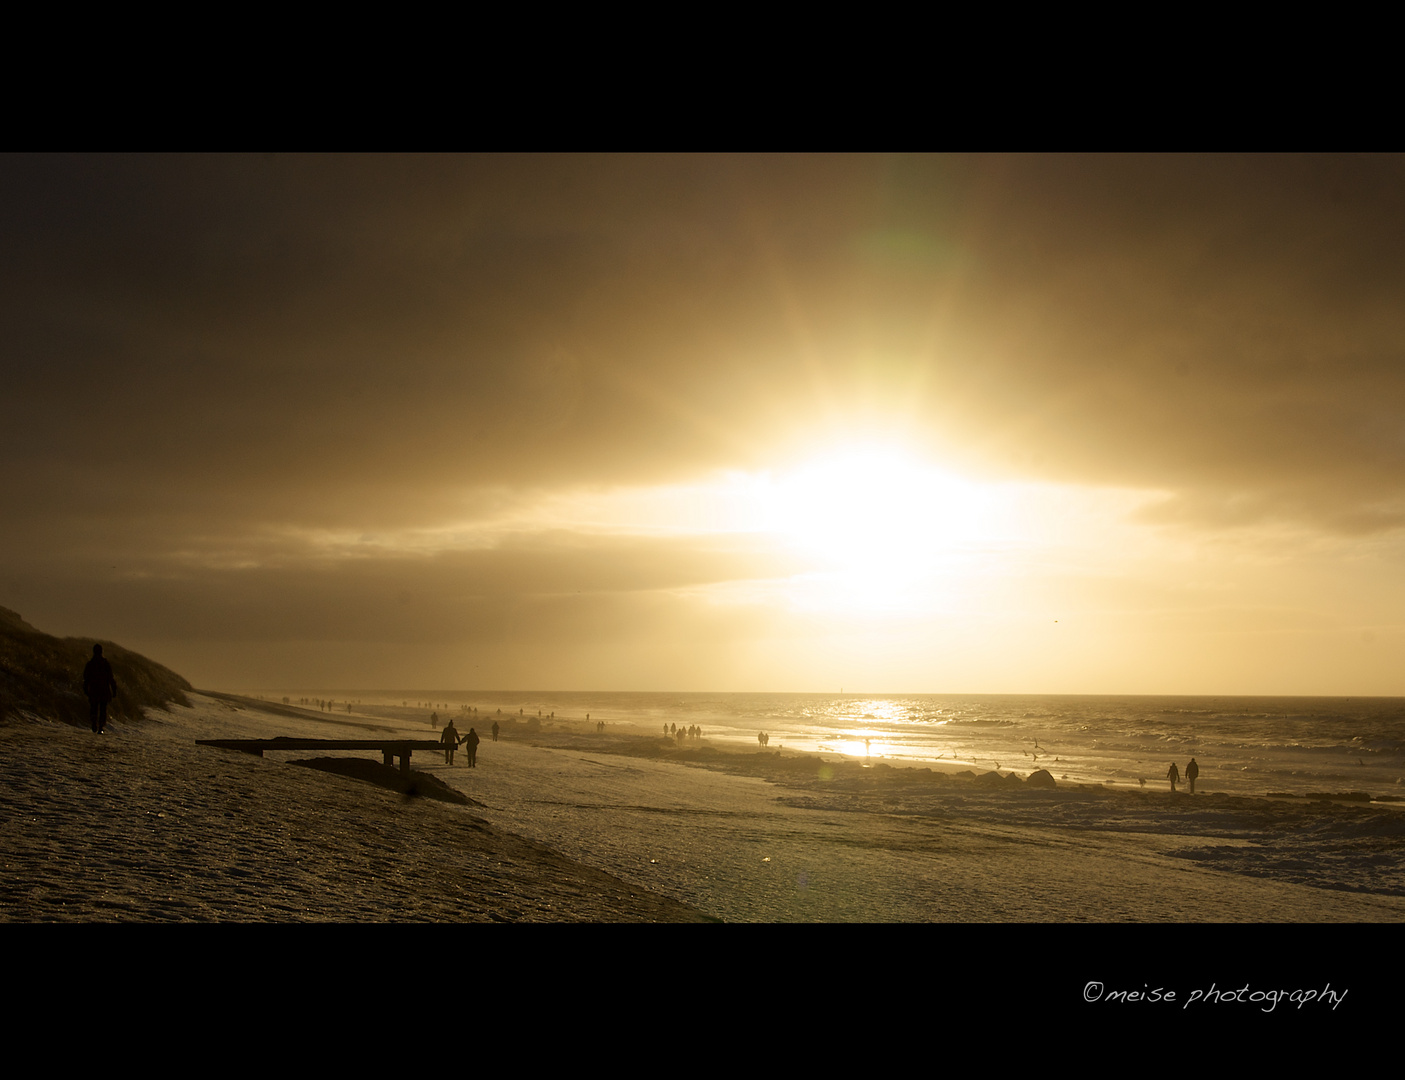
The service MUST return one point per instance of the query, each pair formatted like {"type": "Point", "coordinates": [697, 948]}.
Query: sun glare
{"type": "Point", "coordinates": [865, 529]}
{"type": "Point", "coordinates": [859, 507]}
{"type": "Point", "coordinates": [878, 519]}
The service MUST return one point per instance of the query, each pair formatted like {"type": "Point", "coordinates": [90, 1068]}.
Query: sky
{"type": "Point", "coordinates": [878, 423]}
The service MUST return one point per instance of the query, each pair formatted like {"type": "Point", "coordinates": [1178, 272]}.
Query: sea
{"type": "Point", "coordinates": [1242, 745]}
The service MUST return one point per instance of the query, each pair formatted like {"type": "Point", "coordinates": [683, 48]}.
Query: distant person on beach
{"type": "Point", "coordinates": [496, 729]}
{"type": "Point", "coordinates": [471, 741]}
{"type": "Point", "coordinates": [100, 687]}
{"type": "Point", "coordinates": [450, 739]}
{"type": "Point", "coordinates": [1191, 772]}
{"type": "Point", "coordinates": [1173, 774]}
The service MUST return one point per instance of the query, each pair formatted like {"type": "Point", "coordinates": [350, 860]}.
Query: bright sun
{"type": "Point", "coordinates": [864, 527]}
{"type": "Point", "coordinates": [880, 520]}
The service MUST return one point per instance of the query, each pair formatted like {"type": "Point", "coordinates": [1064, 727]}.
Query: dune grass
{"type": "Point", "coordinates": [42, 675]}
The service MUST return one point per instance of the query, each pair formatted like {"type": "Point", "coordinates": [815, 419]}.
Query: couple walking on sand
{"type": "Point", "coordinates": [1191, 772]}
{"type": "Point", "coordinates": [451, 740]}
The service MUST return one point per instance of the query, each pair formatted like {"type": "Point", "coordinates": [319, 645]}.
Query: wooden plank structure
{"type": "Point", "coordinates": [389, 748]}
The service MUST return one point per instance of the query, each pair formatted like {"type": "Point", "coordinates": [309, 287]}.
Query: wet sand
{"type": "Point", "coordinates": [756, 838]}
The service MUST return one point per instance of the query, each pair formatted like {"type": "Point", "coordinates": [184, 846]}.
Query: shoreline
{"type": "Point", "coordinates": [791, 766]}
{"type": "Point", "coordinates": [574, 734]}
{"type": "Point", "coordinates": [738, 837]}
{"type": "Point", "coordinates": [1119, 771]}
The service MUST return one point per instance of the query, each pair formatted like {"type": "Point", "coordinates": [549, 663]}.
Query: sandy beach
{"type": "Point", "coordinates": [753, 838]}
{"type": "Point", "coordinates": [142, 825]}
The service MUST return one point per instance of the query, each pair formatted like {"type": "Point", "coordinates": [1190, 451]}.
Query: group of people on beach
{"type": "Point", "coordinates": [682, 735]}
{"type": "Point", "coordinates": [1191, 772]}
{"type": "Point", "coordinates": [451, 741]}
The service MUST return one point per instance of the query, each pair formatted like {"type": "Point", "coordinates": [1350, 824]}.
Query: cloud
{"type": "Point", "coordinates": [211, 350]}
{"type": "Point", "coordinates": [284, 328]}
{"type": "Point", "coordinates": [445, 596]}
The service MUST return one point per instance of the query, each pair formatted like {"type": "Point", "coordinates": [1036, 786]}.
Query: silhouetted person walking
{"type": "Point", "coordinates": [1173, 774]}
{"type": "Point", "coordinates": [450, 739]}
{"type": "Point", "coordinates": [495, 731]}
{"type": "Point", "coordinates": [100, 687]}
{"type": "Point", "coordinates": [471, 741]}
{"type": "Point", "coordinates": [1191, 772]}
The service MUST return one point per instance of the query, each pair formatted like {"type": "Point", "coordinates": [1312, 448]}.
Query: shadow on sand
{"type": "Point", "coordinates": [416, 785]}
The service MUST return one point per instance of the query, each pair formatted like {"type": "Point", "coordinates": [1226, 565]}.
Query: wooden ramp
{"type": "Point", "coordinates": [389, 748]}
